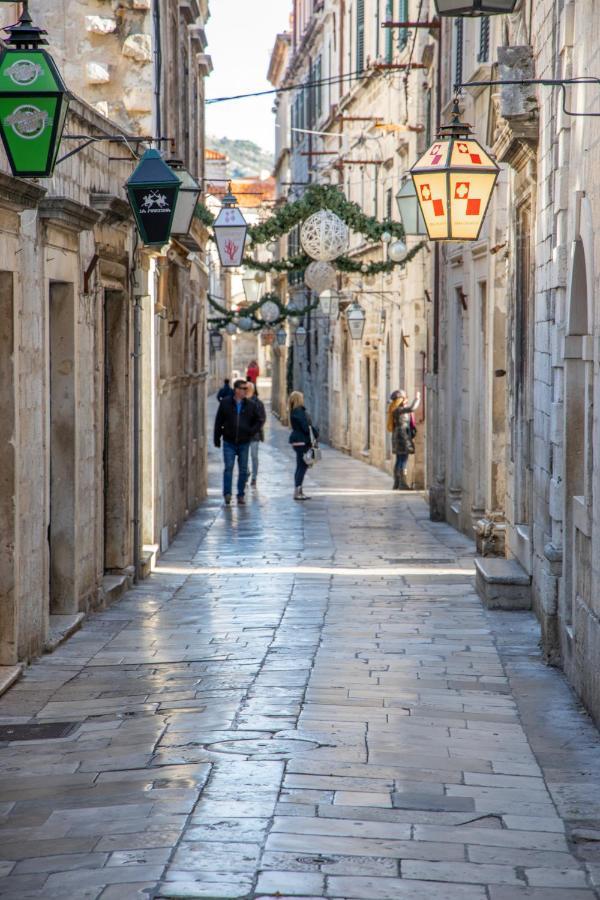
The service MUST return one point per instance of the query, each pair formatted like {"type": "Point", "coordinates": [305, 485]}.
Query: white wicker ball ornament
{"type": "Point", "coordinates": [386, 237]}
{"type": "Point", "coordinates": [397, 251]}
{"type": "Point", "coordinates": [231, 328]}
{"type": "Point", "coordinates": [245, 323]}
{"type": "Point", "coordinates": [364, 268]}
{"type": "Point", "coordinates": [269, 311]}
{"type": "Point", "coordinates": [260, 276]}
{"type": "Point", "coordinates": [324, 236]}
{"type": "Point", "coordinates": [319, 276]}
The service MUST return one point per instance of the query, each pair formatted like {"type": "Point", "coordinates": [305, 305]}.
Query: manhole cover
{"type": "Point", "coordinates": [36, 731]}
{"type": "Point", "coordinates": [276, 747]}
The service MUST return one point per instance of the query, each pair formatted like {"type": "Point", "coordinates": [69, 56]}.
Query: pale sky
{"type": "Point", "coordinates": [241, 35]}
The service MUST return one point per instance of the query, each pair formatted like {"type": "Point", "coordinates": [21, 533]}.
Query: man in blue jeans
{"type": "Point", "coordinates": [236, 424]}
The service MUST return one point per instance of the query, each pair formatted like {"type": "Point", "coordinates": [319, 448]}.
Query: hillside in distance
{"type": "Point", "coordinates": [247, 159]}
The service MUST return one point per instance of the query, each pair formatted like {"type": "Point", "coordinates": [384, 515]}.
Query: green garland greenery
{"type": "Point", "coordinates": [342, 263]}
{"type": "Point", "coordinates": [250, 312]}
{"type": "Point", "coordinates": [315, 198]}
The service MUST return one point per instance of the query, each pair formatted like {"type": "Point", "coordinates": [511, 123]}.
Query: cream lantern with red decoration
{"type": "Point", "coordinates": [454, 181]}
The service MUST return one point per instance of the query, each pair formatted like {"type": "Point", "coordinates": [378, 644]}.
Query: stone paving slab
{"type": "Point", "coordinates": [308, 701]}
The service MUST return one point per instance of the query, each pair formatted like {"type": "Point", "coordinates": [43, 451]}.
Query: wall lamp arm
{"type": "Point", "coordinates": [562, 83]}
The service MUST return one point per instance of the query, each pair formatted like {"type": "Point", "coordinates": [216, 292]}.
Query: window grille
{"type": "Point", "coordinates": [484, 40]}
{"type": "Point", "coordinates": [458, 51]}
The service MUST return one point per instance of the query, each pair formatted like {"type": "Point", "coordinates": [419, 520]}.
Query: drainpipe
{"type": "Point", "coordinates": [137, 400]}
{"type": "Point", "coordinates": [436, 251]}
{"type": "Point", "coordinates": [157, 66]}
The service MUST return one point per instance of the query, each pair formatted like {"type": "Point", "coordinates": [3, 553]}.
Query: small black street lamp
{"type": "Point", "coordinates": [33, 101]}
{"type": "Point", "coordinates": [252, 289]}
{"type": "Point", "coordinates": [300, 336]}
{"type": "Point", "coordinates": [474, 7]}
{"type": "Point", "coordinates": [329, 302]}
{"type": "Point", "coordinates": [230, 232]}
{"type": "Point", "coordinates": [187, 200]}
{"type": "Point", "coordinates": [281, 337]}
{"type": "Point", "coordinates": [355, 317]}
{"type": "Point", "coordinates": [216, 341]}
{"type": "Point", "coordinates": [153, 190]}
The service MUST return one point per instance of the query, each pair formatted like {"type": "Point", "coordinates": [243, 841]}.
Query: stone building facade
{"type": "Point", "coordinates": [513, 404]}
{"type": "Point", "coordinates": [103, 345]}
{"type": "Point", "coordinates": [357, 127]}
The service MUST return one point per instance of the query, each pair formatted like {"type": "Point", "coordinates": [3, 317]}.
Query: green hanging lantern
{"type": "Point", "coordinates": [33, 101]}
{"type": "Point", "coordinates": [153, 190]}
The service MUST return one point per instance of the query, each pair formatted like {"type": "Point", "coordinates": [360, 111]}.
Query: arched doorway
{"type": "Point", "coordinates": [578, 450]}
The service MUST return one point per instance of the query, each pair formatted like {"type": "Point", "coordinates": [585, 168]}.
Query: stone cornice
{"type": "Point", "coordinates": [69, 213]}
{"type": "Point", "coordinates": [113, 209]}
{"type": "Point", "coordinates": [20, 193]}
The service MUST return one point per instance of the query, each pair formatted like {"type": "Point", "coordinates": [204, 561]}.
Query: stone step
{"type": "Point", "coordinates": [8, 676]}
{"type": "Point", "coordinates": [114, 586]}
{"type": "Point", "coordinates": [502, 583]}
{"type": "Point", "coordinates": [61, 628]}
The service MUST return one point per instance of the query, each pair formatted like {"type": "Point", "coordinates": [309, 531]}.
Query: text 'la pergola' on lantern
{"type": "Point", "coordinates": [230, 232]}
{"type": "Point", "coordinates": [454, 180]}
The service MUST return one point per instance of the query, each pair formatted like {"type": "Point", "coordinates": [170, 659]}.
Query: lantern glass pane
{"type": "Point", "coordinates": [432, 194]}
{"type": "Point", "coordinates": [470, 155]}
{"type": "Point", "coordinates": [252, 289]}
{"type": "Point", "coordinates": [356, 327]}
{"type": "Point", "coordinates": [409, 209]}
{"type": "Point", "coordinates": [436, 157]}
{"type": "Point", "coordinates": [469, 198]}
{"type": "Point", "coordinates": [187, 200]}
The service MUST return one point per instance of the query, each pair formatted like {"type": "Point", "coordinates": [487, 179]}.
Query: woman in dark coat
{"type": "Point", "coordinates": [403, 437]}
{"type": "Point", "coordinates": [300, 439]}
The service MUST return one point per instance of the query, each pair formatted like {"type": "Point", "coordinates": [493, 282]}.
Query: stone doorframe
{"type": "Point", "coordinates": [578, 425]}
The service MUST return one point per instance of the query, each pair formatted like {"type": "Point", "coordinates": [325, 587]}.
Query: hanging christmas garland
{"type": "Point", "coordinates": [343, 263]}
{"type": "Point", "coordinates": [251, 312]}
{"type": "Point", "coordinates": [315, 198]}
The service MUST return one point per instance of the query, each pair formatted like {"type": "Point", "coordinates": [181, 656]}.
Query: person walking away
{"type": "Point", "coordinates": [236, 423]}
{"type": "Point", "coordinates": [253, 372]}
{"type": "Point", "coordinates": [403, 432]}
{"type": "Point", "coordinates": [252, 396]}
{"type": "Point", "coordinates": [300, 439]}
{"type": "Point", "coordinates": [225, 391]}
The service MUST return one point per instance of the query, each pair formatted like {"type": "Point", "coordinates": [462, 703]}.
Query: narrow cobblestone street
{"type": "Point", "coordinates": [305, 700]}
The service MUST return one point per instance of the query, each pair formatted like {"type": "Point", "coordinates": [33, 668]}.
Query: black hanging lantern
{"type": "Point", "coordinates": [474, 7]}
{"type": "Point", "coordinates": [153, 190]}
{"type": "Point", "coordinates": [33, 101]}
{"type": "Point", "coordinates": [216, 341]}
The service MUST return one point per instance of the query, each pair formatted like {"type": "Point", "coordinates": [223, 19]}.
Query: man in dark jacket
{"type": "Point", "coordinates": [225, 391]}
{"type": "Point", "coordinates": [236, 424]}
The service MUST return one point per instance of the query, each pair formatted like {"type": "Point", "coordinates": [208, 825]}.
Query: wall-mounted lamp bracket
{"type": "Point", "coordinates": [562, 83]}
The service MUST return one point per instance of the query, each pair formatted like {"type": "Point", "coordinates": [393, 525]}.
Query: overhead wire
{"type": "Point", "coordinates": [337, 79]}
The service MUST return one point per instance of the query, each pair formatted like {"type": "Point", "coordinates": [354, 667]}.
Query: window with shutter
{"type": "Point", "coordinates": [389, 34]}
{"type": "Point", "coordinates": [458, 51]}
{"type": "Point", "coordinates": [403, 17]}
{"type": "Point", "coordinates": [484, 39]}
{"type": "Point", "coordinates": [360, 35]}
{"type": "Point", "coordinates": [318, 88]}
